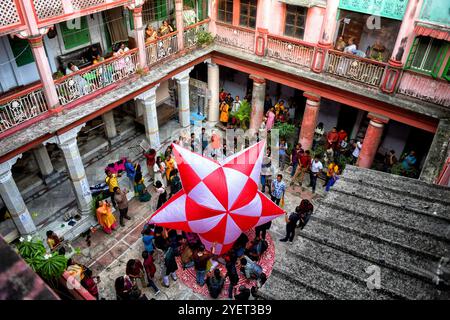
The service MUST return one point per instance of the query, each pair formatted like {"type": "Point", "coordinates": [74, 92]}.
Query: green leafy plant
{"type": "Point", "coordinates": [51, 267]}
{"type": "Point", "coordinates": [342, 161]}
{"type": "Point", "coordinates": [243, 114]}
{"type": "Point", "coordinates": [286, 130]}
{"type": "Point", "coordinates": [29, 249]}
{"type": "Point", "coordinates": [204, 38]}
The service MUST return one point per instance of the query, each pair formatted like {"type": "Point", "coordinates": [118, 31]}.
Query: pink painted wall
{"type": "Point", "coordinates": [276, 25]}
{"type": "Point", "coordinates": [314, 19]}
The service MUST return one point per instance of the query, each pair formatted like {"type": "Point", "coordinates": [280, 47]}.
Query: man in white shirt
{"type": "Point", "coordinates": [236, 105]}
{"type": "Point", "coordinates": [356, 151]}
{"type": "Point", "coordinates": [316, 167]}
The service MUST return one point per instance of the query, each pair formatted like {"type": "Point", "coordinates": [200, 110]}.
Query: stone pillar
{"type": "Point", "coordinates": [309, 121]}
{"type": "Point", "coordinates": [148, 102]}
{"type": "Point", "coordinates": [213, 86]}
{"type": "Point", "coordinates": [13, 199]}
{"type": "Point", "coordinates": [258, 95]}
{"type": "Point", "coordinates": [371, 141]}
{"type": "Point", "coordinates": [179, 23]}
{"type": "Point", "coordinates": [438, 153]}
{"type": "Point", "coordinates": [184, 110]}
{"type": "Point", "coordinates": [67, 142]}
{"type": "Point", "coordinates": [139, 31]}
{"type": "Point", "coordinates": [45, 73]}
{"type": "Point", "coordinates": [110, 126]}
{"type": "Point", "coordinates": [48, 173]}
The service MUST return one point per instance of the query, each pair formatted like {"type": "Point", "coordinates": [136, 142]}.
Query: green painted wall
{"type": "Point", "coordinates": [393, 9]}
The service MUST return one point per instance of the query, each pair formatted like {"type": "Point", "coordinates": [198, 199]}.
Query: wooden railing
{"type": "Point", "coordinates": [21, 107]}
{"type": "Point", "coordinates": [93, 78]}
{"type": "Point", "coordinates": [191, 33]}
{"type": "Point", "coordinates": [425, 88]}
{"type": "Point", "coordinates": [290, 50]}
{"type": "Point", "coordinates": [236, 37]}
{"type": "Point", "coordinates": [355, 68]}
{"type": "Point", "coordinates": [161, 48]}
{"type": "Point", "coordinates": [10, 15]}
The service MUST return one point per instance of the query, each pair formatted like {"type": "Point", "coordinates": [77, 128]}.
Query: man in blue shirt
{"type": "Point", "coordinates": [131, 173]}
{"type": "Point", "coordinates": [409, 161]}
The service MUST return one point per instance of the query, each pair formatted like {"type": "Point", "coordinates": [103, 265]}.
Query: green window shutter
{"type": "Point", "coordinates": [446, 73]}
{"type": "Point", "coordinates": [76, 36]}
{"type": "Point", "coordinates": [202, 10]}
{"type": "Point", "coordinates": [412, 52]}
{"type": "Point", "coordinates": [130, 16]}
{"type": "Point", "coordinates": [161, 10]}
{"type": "Point", "coordinates": [21, 50]}
{"type": "Point", "coordinates": [439, 61]}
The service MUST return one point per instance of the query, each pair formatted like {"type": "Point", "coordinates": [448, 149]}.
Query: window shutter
{"type": "Point", "coordinates": [21, 50]}
{"type": "Point", "coordinates": [439, 61]}
{"type": "Point", "coordinates": [131, 19]}
{"type": "Point", "coordinates": [161, 10]}
{"type": "Point", "coordinates": [200, 12]}
{"type": "Point", "coordinates": [446, 73]}
{"type": "Point", "coordinates": [75, 37]}
{"type": "Point", "coordinates": [412, 52]}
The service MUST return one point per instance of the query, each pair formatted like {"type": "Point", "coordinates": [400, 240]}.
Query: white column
{"type": "Point", "coordinates": [67, 142]}
{"type": "Point", "coordinates": [184, 109]}
{"type": "Point", "coordinates": [213, 86]}
{"type": "Point", "coordinates": [13, 199]}
{"type": "Point", "coordinates": [110, 126]}
{"type": "Point", "coordinates": [147, 100]}
{"type": "Point", "coordinates": [43, 160]}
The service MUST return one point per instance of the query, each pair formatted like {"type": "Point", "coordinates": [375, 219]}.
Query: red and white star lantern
{"type": "Point", "coordinates": [219, 200]}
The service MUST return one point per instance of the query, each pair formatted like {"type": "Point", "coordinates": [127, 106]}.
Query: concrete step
{"type": "Point", "coordinates": [377, 252]}
{"type": "Point", "coordinates": [401, 218]}
{"type": "Point", "coordinates": [394, 283]}
{"type": "Point", "coordinates": [381, 232]}
{"type": "Point", "coordinates": [399, 184]}
{"type": "Point", "coordinates": [283, 286]}
{"type": "Point", "coordinates": [321, 278]}
{"type": "Point", "coordinates": [385, 196]}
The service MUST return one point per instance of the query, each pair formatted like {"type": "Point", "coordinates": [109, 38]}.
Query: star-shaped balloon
{"type": "Point", "coordinates": [219, 200]}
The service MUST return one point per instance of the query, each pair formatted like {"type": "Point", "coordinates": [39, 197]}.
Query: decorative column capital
{"type": "Point", "coordinates": [183, 76]}
{"type": "Point", "coordinates": [257, 79]}
{"type": "Point", "coordinates": [5, 168]}
{"type": "Point", "coordinates": [312, 97]}
{"type": "Point", "coordinates": [149, 94]}
{"type": "Point", "coordinates": [377, 120]}
{"type": "Point", "coordinates": [67, 139]}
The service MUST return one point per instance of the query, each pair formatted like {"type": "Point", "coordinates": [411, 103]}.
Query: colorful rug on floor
{"type": "Point", "coordinates": [188, 276]}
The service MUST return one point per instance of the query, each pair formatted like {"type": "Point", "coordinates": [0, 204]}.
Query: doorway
{"type": "Point", "coordinates": [347, 118]}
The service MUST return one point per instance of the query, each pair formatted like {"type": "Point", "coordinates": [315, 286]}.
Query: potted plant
{"type": "Point", "coordinates": [286, 131]}
{"type": "Point", "coordinates": [204, 38]}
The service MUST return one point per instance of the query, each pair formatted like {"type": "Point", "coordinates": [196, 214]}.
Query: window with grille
{"type": "Point", "coordinates": [154, 10]}
{"type": "Point", "coordinates": [247, 15]}
{"type": "Point", "coordinates": [75, 33]}
{"type": "Point", "coordinates": [295, 21]}
{"type": "Point", "coordinates": [225, 12]}
{"type": "Point", "coordinates": [426, 55]}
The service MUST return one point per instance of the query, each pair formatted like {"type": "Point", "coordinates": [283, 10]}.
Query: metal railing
{"type": "Point", "coordinates": [191, 33]}
{"type": "Point", "coordinates": [236, 37]}
{"type": "Point", "coordinates": [10, 16]}
{"type": "Point", "coordinates": [93, 78]}
{"type": "Point", "coordinates": [290, 50]}
{"type": "Point", "coordinates": [355, 68]}
{"type": "Point", "coordinates": [162, 48]}
{"type": "Point", "coordinates": [21, 107]}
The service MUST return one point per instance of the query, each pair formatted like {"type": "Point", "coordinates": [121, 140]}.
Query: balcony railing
{"type": "Point", "coordinates": [21, 107]}
{"type": "Point", "coordinates": [191, 33]}
{"type": "Point", "coordinates": [425, 88]}
{"type": "Point", "coordinates": [10, 16]}
{"type": "Point", "coordinates": [96, 77]}
{"type": "Point", "coordinates": [236, 37]}
{"type": "Point", "coordinates": [162, 48]}
{"type": "Point", "coordinates": [289, 50]}
{"type": "Point", "coordinates": [355, 68]}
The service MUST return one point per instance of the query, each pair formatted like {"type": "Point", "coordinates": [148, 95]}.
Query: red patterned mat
{"type": "Point", "coordinates": [188, 276]}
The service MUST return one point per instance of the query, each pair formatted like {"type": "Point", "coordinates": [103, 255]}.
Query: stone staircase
{"type": "Point", "coordinates": [368, 220]}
